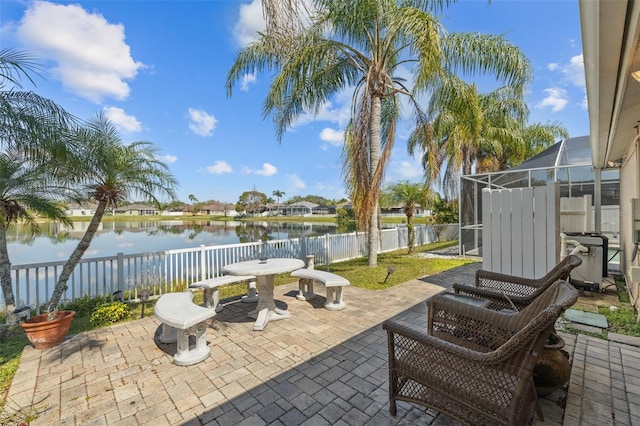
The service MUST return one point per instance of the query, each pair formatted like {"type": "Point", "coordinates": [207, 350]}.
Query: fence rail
{"type": "Point", "coordinates": [160, 272]}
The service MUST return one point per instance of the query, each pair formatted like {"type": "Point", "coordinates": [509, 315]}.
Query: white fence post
{"type": "Point", "coordinates": [120, 271]}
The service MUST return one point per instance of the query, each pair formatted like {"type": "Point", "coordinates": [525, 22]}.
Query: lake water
{"type": "Point", "coordinates": [58, 241]}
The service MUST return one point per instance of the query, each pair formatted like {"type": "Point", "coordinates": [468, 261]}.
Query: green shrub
{"type": "Point", "coordinates": [109, 313]}
{"type": "Point", "coordinates": [83, 306]}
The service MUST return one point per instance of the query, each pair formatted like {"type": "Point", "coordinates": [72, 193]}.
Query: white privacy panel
{"type": "Point", "coordinates": [521, 230]}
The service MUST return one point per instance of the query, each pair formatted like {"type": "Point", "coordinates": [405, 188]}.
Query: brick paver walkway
{"type": "Point", "coordinates": [319, 367]}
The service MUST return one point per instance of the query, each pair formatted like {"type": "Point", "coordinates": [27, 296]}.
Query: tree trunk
{"type": "Point", "coordinates": [411, 231]}
{"type": "Point", "coordinates": [375, 153]}
{"type": "Point", "coordinates": [74, 259]}
{"type": "Point", "coordinates": [5, 278]}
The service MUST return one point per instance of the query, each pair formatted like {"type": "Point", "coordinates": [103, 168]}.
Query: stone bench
{"type": "Point", "coordinates": [332, 282]}
{"type": "Point", "coordinates": [212, 294]}
{"type": "Point", "coordinates": [180, 319]}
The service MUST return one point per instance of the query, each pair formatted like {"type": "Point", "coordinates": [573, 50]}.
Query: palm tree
{"type": "Point", "coordinates": [109, 173]}
{"type": "Point", "coordinates": [361, 44]}
{"type": "Point", "coordinates": [37, 126]}
{"type": "Point", "coordinates": [34, 136]}
{"type": "Point", "coordinates": [411, 195]}
{"type": "Point", "coordinates": [469, 128]}
{"type": "Point", "coordinates": [278, 194]}
{"type": "Point", "coordinates": [28, 191]}
{"type": "Point", "coordinates": [195, 208]}
{"type": "Point", "coordinates": [532, 140]}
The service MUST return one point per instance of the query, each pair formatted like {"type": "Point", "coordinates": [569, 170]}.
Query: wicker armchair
{"type": "Point", "coordinates": [477, 365]}
{"type": "Point", "coordinates": [510, 291]}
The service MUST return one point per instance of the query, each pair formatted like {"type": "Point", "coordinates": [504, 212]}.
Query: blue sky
{"type": "Point", "coordinates": [158, 69]}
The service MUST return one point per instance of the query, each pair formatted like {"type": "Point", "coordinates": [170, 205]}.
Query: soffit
{"type": "Point", "coordinates": [610, 46]}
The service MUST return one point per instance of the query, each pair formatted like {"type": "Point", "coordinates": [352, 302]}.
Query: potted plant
{"type": "Point", "coordinates": [552, 370]}
{"type": "Point", "coordinates": [48, 329]}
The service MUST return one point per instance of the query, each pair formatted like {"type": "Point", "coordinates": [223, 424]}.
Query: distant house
{"type": "Point", "coordinates": [323, 209]}
{"type": "Point", "coordinates": [219, 209]}
{"type": "Point", "coordinates": [398, 210]}
{"type": "Point", "coordinates": [274, 209]}
{"type": "Point", "coordinates": [302, 208]}
{"type": "Point", "coordinates": [75, 209]}
{"type": "Point", "coordinates": [177, 211]}
{"type": "Point", "coordinates": [136, 210]}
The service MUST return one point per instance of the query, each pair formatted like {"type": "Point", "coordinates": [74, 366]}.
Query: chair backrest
{"type": "Point", "coordinates": [542, 313]}
{"type": "Point", "coordinates": [563, 269]}
{"type": "Point", "coordinates": [559, 272]}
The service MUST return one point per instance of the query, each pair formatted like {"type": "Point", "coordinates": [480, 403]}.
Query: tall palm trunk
{"type": "Point", "coordinates": [375, 153]}
{"type": "Point", "coordinates": [410, 230]}
{"type": "Point", "coordinates": [78, 252]}
{"type": "Point", "coordinates": [5, 277]}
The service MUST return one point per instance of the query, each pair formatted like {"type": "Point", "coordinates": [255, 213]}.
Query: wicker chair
{"type": "Point", "coordinates": [477, 365]}
{"type": "Point", "coordinates": [510, 291]}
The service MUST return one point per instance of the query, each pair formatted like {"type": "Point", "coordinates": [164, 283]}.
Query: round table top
{"type": "Point", "coordinates": [270, 267]}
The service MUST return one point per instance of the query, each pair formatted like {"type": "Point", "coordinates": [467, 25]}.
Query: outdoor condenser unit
{"type": "Point", "coordinates": [594, 267]}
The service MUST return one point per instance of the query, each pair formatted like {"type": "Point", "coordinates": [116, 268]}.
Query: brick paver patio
{"type": "Point", "coordinates": [319, 367]}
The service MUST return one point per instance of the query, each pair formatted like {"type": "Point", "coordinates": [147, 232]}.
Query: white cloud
{"type": "Point", "coordinates": [338, 114]}
{"type": "Point", "coordinates": [553, 66]}
{"type": "Point", "coordinates": [574, 71]}
{"type": "Point", "coordinates": [250, 22]}
{"type": "Point", "coordinates": [91, 55]}
{"type": "Point", "coordinates": [267, 170]}
{"type": "Point", "coordinates": [126, 122]}
{"type": "Point", "coordinates": [556, 99]}
{"type": "Point", "coordinates": [169, 158]}
{"type": "Point", "coordinates": [296, 182]}
{"type": "Point", "coordinates": [331, 136]}
{"type": "Point", "coordinates": [202, 123]}
{"type": "Point", "coordinates": [247, 80]}
{"type": "Point", "coordinates": [219, 167]}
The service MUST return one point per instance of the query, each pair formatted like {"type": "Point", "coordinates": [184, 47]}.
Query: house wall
{"type": "Point", "coordinates": [629, 189]}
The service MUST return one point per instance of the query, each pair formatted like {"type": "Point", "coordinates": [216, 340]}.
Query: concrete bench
{"type": "Point", "coordinates": [212, 294]}
{"type": "Point", "coordinates": [180, 319]}
{"type": "Point", "coordinates": [332, 282]}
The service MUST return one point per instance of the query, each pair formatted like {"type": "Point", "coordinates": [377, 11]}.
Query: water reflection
{"type": "Point", "coordinates": [58, 240]}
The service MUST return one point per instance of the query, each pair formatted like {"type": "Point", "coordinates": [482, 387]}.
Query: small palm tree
{"type": "Point", "coordinates": [278, 194]}
{"type": "Point", "coordinates": [411, 195]}
{"type": "Point", "coordinates": [108, 173]}
{"type": "Point", "coordinates": [27, 191]}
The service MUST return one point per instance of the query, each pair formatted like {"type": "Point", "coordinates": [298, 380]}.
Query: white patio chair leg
{"type": "Point", "coordinates": [169, 334]}
{"type": "Point", "coordinates": [212, 299]}
{"type": "Point", "coordinates": [252, 293]}
{"type": "Point", "coordinates": [305, 289]}
{"type": "Point", "coordinates": [334, 299]}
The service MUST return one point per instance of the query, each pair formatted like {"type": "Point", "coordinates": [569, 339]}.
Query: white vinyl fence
{"type": "Point", "coordinates": [521, 230]}
{"type": "Point", "coordinates": [160, 272]}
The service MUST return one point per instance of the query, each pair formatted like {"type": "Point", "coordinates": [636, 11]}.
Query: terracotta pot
{"type": "Point", "coordinates": [43, 333]}
{"type": "Point", "coordinates": [553, 370]}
